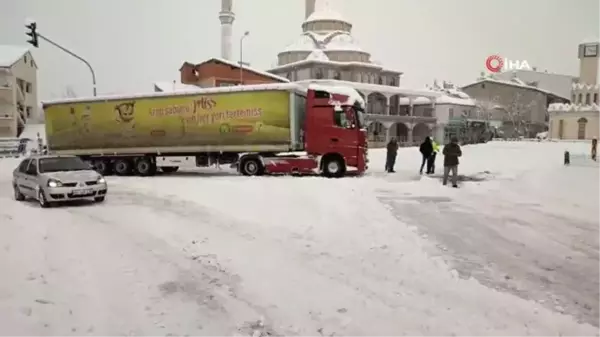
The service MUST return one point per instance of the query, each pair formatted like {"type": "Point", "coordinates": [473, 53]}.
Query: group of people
{"type": "Point", "coordinates": [429, 150]}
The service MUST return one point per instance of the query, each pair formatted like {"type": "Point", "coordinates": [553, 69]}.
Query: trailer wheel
{"type": "Point", "coordinates": [333, 166]}
{"type": "Point", "coordinates": [102, 166]}
{"type": "Point", "coordinates": [122, 167]}
{"type": "Point", "coordinates": [145, 167]}
{"type": "Point", "coordinates": [251, 167]}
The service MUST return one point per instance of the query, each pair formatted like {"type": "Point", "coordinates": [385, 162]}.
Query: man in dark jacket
{"type": "Point", "coordinates": [392, 151]}
{"type": "Point", "coordinates": [426, 150]}
{"type": "Point", "coordinates": [451, 153]}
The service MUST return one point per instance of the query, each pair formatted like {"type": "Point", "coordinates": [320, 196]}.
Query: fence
{"type": "Point", "coordinates": [13, 147]}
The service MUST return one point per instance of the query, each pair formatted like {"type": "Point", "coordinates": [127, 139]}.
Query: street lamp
{"type": "Point", "coordinates": [242, 56]}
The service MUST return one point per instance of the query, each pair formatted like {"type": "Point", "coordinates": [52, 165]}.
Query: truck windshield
{"type": "Point", "coordinates": [62, 164]}
{"type": "Point", "coordinates": [360, 115]}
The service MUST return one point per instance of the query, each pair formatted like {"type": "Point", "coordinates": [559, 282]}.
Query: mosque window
{"type": "Point", "coordinates": [595, 98]}
{"type": "Point", "coordinates": [587, 99]}
{"type": "Point", "coordinates": [337, 75]}
{"type": "Point", "coordinates": [580, 99]}
{"type": "Point", "coordinates": [393, 82]}
{"type": "Point", "coordinates": [319, 73]}
{"type": "Point", "coordinates": [582, 122]}
{"type": "Point", "coordinates": [380, 80]}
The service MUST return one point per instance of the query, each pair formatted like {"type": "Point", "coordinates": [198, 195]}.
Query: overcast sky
{"type": "Point", "coordinates": [133, 43]}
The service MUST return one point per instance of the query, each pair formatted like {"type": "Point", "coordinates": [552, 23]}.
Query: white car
{"type": "Point", "coordinates": [52, 179]}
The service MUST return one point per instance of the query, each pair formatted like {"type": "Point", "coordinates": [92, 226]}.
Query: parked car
{"type": "Point", "coordinates": [52, 179]}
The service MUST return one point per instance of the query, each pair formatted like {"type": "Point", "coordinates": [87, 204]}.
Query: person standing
{"type": "Point", "coordinates": [392, 151]}
{"type": "Point", "coordinates": [594, 148]}
{"type": "Point", "coordinates": [431, 160]}
{"type": "Point", "coordinates": [426, 150]}
{"type": "Point", "coordinates": [451, 153]}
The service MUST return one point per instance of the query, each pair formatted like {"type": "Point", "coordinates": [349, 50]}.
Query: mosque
{"type": "Point", "coordinates": [326, 51]}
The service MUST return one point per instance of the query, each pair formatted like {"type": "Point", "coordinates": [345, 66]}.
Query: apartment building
{"type": "Point", "coordinates": [18, 89]}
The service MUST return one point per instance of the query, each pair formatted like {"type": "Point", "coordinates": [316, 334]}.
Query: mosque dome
{"type": "Point", "coordinates": [329, 32]}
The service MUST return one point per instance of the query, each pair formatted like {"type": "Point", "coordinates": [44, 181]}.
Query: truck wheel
{"type": "Point", "coordinates": [169, 169]}
{"type": "Point", "coordinates": [122, 167]}
{"type": "Point", "coordinates": [102, 166]}
{"type": "Point", "coordinates": [145, 167]}
{"type": "Point", "coordinates": [251, 167]}
{"type": "Point", "coordinates": [333, 167]}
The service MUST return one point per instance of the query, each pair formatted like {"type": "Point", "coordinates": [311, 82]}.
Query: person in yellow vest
{"type": "Point", "coordinates": [431, 159]}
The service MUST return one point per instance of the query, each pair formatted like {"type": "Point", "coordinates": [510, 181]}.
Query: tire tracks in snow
{"type": "Point", "coordinates": [528, 254]}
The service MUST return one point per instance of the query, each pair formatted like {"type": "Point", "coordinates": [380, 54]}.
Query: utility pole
{"type": "Point", "coordinates": [32, 27]}
{"type": "Point", "coordinates": [242, 56]}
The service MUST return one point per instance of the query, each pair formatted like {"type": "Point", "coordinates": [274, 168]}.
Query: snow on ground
{"type": "Point", "coordinates": [211, 253]}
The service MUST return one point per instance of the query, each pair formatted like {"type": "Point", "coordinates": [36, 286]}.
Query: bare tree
{"type": "Point", "coordinates": [519, 113]}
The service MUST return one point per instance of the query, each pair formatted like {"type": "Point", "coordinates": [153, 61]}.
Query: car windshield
{"type": "Point", "coordinates": [62, 164]}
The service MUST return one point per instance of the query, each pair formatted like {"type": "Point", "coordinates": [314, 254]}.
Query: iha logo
{"type": "Point", "coordinates": [496, 63]}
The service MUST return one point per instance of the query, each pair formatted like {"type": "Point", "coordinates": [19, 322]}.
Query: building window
{"type": "Point", "coordinates": [582, 122]}
{"type": "Point", "coordinates": [573, 98]}
{"type": "Point", "coordinates": [596, 98]}
{"type": "Point", "coordinates": [450, 113]}
{"type": "Point", "coordinates": [587, 99]}
{"type": "Point", "coordinates": [392, 82]}
{"type": "Point", "coordinates": [482, 85]}
{"type": "Point", "coordinates": [25, 58]}
{"type": "Point", "coordinates": [380, 80]}
{"type": "Point", "coordinates": [28, 111]}
{"type": "Point", "coordinates": [319, 74]}
{"type": "Point", "coordinates": [561, 128]}
{"type": "Point", "coordinates": [580, 99]}
{"type": "Point", "coordinates": [28, 87]}
{"type": "Point", "coordinates": [337, 75]}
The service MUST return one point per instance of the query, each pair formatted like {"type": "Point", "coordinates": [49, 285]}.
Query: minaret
{"type": "Point", "coordinates": [226, 17]}
{"type": "Point", "coordinates": [309, 8]}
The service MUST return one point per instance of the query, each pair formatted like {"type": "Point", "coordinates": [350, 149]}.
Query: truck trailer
{"type": "Point", "coordinates": [260, 129]}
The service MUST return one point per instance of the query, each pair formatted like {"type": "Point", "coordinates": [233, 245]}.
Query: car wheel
{"type": "Point", "coordinates": [18, 195]}
{"type": "Point", "coordinates": [42, 199]}
{"type": "Point", "coordinates": [99, 199]}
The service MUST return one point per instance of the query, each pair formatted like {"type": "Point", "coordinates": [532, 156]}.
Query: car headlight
{"type": "Point", "coordinates": [54, 183]}
{"type": "Point", "coordinates": [101, 180]}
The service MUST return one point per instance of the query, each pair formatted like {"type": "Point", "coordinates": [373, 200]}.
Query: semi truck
{"type": "Point", "coordinates": [259, 129]}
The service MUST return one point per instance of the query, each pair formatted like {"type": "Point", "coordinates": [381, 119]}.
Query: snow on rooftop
{"type": "Point", "coordinates": [11, 54]}
{"type": "Point", "coordinates": [512, 83]}
{"type": "Point", "coordinates": [585, 86]}
{"type": "Point", "coordinates": [325, 12]}
{"type": "Point", "coordinates": [573, 107]}
{"type": "Point", "coordinates": [367, 88]}
{"type": "Point", "coordinates": [591, 39]}
{"type": "Point", "coordinates": [174, 86]}
{"type": "Point", "coordinates": [254, 70]}
{"type": "Point", "coordinates": [318, 55]}
{"type": "Point", "coordinates": [330, 40]}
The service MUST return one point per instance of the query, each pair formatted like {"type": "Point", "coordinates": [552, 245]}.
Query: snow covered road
{"type": "Point", "coordinates": [214, 254]}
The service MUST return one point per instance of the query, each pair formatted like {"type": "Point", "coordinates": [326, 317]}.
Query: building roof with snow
{"type": "Point", "coordinates": [173, 87]}
{"type": "Point", "coordinates": [247, 68]}
{"type": "Point", "coordinates": [9, 55]}
{"type": "Point", "coordinates": [516, 82]}
{"type": "Point", "coordinates": [556, 83]}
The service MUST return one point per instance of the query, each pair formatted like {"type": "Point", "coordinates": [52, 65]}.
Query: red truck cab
{"type": "Point", "coordinates": [332, 133]}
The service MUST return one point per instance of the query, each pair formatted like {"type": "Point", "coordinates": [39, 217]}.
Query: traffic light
{"type": "Point", "coordinates": [32, 33]}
